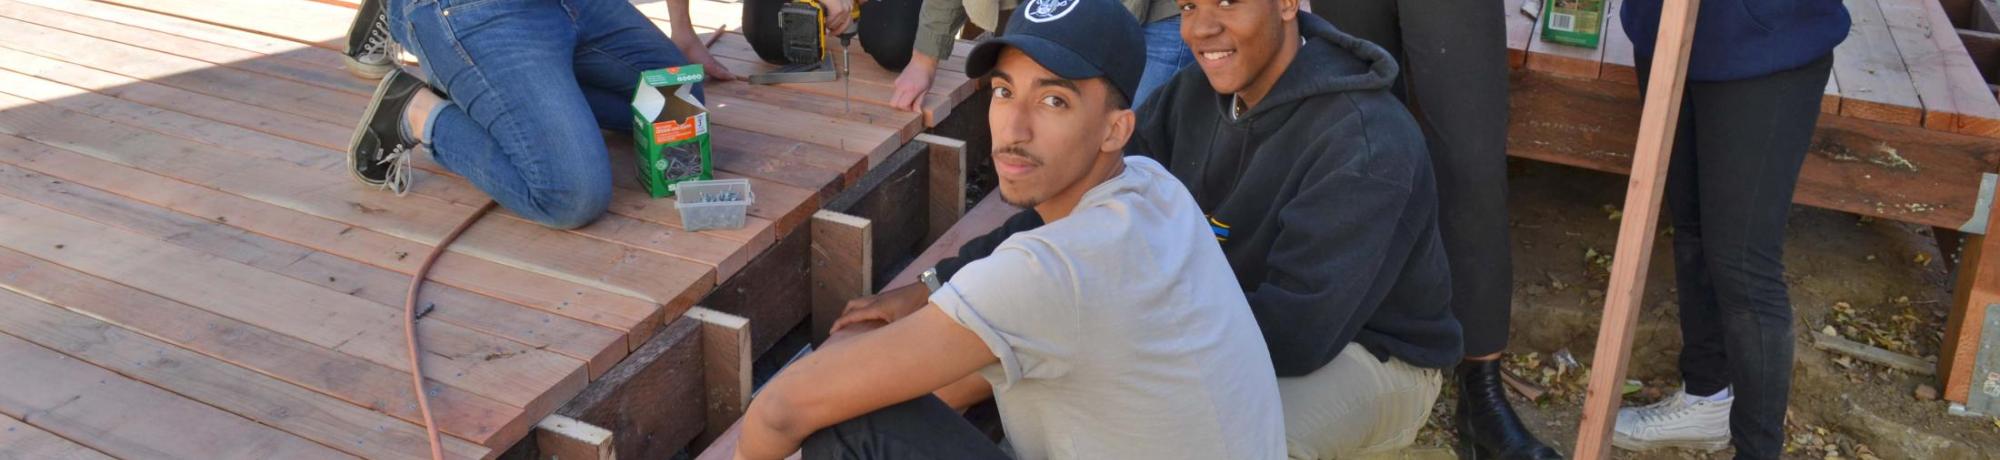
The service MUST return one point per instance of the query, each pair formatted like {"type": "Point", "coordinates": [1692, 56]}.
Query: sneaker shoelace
{"type": "Point", "coordinates": [398, 179]}
{"type": "Point", "coordinates": [377, 48]}
{"type": "Point", "coordinates": [1666, 410]}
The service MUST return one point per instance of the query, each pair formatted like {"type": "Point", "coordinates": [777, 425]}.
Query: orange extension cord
{"type": "Point", "coordinates": [410, 326]}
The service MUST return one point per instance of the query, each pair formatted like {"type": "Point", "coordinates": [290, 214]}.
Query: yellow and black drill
{"type": "Point", "coordinates": [803, 45]}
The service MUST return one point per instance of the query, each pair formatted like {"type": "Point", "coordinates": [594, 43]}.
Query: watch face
{"type": "Point", "coordinates": [930, 279]}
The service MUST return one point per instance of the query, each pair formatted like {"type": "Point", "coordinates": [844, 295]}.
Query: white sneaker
{"type": "Point", "coordinates": [1681, 420]}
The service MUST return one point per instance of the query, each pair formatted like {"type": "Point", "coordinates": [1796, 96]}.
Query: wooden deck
{"type": "Point", "coordinates": [187, 271]}
{"type": "Point", "coordinates": [1909, 131]}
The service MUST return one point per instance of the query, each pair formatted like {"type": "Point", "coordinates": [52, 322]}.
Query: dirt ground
{"type": "Point", "coordinates": [1871, 281]}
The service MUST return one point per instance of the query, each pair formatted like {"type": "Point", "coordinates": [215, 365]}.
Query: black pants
{"type": "Point", "coordinates": [1729, 190]}
{"type": "Point", "coordinates": [887, 30]}
{"type": "Point", "coordinates": [1454, 61]}
{"type": "Point", "coordinates": [922, 428]}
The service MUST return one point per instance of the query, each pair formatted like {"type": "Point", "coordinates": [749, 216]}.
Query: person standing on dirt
{"type": "Point", "coordinates": [1752, 100]}
{"type": "Point", "coordinates": [512, 97]}
{"type": "Point", "coordinates": [1316, 185]}
{"type": "Point", "coordinates": [1164, 51]}
{"type": "Point", "coordinates": [1454, 58]}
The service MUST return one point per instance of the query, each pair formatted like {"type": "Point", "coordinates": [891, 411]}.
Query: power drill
{"type": "Point", "coordinates": [802, 24]}
{"type": "Point", "coordinates": [802, 29]}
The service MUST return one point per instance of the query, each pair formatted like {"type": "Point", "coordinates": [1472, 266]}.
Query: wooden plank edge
{"type": "Point", "coordinates": [564, 438]}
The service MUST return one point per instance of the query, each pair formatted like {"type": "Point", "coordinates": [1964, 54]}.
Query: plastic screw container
{"type": "Point", "coordinates": [713, 204]}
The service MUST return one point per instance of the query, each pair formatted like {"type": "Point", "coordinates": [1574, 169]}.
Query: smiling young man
{"type": "Point", "coordinates": [1113, 331]}
{"type": "Point", "coordinates": [1316, 185]}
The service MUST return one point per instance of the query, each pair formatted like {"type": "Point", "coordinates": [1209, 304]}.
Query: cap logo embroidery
{"type": "Point", "coordinates": [1049, 10]}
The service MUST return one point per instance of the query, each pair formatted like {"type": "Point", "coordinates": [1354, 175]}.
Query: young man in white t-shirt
{"type": "Point", "coordinates": [1116, 330]}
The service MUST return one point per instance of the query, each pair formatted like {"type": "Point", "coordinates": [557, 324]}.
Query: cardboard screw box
{"type": "Point", "coordinates": [670, 128]}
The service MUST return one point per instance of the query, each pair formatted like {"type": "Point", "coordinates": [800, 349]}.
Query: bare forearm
{"type": "Point", "coordinates": [963, 394]}
{"type": "Point", "coordinates": [681, 22]}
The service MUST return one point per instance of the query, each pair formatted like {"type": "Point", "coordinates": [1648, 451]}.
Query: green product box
{"type": "Point", "coordinates": [1573, 22]}
{"type": "Point", "coordinates": [670, 128]}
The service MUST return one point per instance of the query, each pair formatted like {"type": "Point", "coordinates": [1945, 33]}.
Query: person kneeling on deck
{"type": "Point", "coordinates": [1319, 191]}
{"type": "Point", "coordinates": [1113, 331]}
{"type": "Point", "coordinates": [517, 93]}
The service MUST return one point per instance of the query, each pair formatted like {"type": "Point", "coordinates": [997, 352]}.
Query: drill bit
{"type": "Point", "coordinates": [846, 68]}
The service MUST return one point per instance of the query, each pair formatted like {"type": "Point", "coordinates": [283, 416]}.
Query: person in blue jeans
{"type": "Point", "coordinates": [512, 97]}
{"type": "Point", "coordinates": [1160, 19]}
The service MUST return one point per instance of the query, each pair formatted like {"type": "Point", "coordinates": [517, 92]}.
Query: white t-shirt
{"type": "Point", "coordinates": [1121, 332]}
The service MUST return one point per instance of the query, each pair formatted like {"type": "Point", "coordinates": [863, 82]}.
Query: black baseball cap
{"type": "Point", "coordinates": [1075, 39]}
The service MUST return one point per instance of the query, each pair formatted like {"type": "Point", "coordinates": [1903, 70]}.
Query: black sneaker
{"type": "Point", "coordinates": [370, 52]}
{"type": "Point", "coordinates": [378, 154]}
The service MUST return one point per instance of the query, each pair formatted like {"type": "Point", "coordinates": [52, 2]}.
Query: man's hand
{"type": "Point", "coordinates": [698, 54]}
{"type": "Point", "coordinates": [914, 82]}
{"type": "Point", "coordinates": [838, 15]}
{"type": "Point", "coordinates": [883, 308]}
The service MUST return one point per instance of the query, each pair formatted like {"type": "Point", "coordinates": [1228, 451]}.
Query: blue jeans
{"type": "Point", "coordinates": [529, 84]}
{"type": "Point", "coordinates": [1166, 54]}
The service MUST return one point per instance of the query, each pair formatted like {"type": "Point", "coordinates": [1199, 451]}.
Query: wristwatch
{"type": "Point", "coordinates": [930, 279]}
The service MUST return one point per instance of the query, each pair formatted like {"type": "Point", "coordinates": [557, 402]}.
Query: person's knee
{"type": "Point", "coordinates": [572, 205]}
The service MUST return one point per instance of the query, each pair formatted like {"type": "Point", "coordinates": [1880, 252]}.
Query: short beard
{"type": "Point", "coordinates": [1019, 202]}
{"type": "Point", "coordinates": [1023, 203]}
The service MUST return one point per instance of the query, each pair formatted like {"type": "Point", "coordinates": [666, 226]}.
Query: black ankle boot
{"type": "Point", "coordinates": [1487, 425]}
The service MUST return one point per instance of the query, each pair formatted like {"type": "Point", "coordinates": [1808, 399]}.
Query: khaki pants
{"type": "Point", "coordinates": [1356, 406]}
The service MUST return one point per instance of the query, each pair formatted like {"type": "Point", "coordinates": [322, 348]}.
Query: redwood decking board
{"type": "Point", "coordinates": [31, 442]}
{"type": "Point", "coordinates": [518, 286]}
{"type": "Point", "coordinates": [600, 346]}
{"type": "Point", "coordinates": [657, 278]}
{"type": "Point", "coordinates": [505, 371]}
{"type": "Point", "coordinates": [185, 73]}
{"type": "Point", "coordinates": [331, 422]}
{"type": "Point", "coordinates": [94, 407]}
{"type": "Point", "coordinates": [212, 53]}
{"type": "Point", "coordinates": [1871, 71]}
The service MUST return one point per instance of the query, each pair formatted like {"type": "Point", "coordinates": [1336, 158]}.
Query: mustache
{"type": "Point", "coordinates": [1019, 152]}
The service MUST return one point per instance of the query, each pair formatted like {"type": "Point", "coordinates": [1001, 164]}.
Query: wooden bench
{"type": "Point", "coordinates": [1909, 131]}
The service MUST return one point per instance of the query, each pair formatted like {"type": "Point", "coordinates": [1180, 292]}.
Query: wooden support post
{"type": "Point", "coordinates": [842, 266]}
{"type": "Point", "coordinates": [725, 362]}
{"type": "Point", "coordinates": [1657, 123]}
{"type": "Point", "coordinates": [1986, 15]}
{"type": "Point", "coordinates": [947, 183]}
{"type": "Point", "coordinates": [1978, 286]}
{"type": "Point", "coordinates": [1984, 49]}
{"type": "Point", "coordinates": [564, 438]}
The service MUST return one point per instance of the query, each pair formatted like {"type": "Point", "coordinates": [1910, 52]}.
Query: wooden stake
{"type": "Point", "coordinates": [947, 183]}
{"type": "Point", "coordinates": [842, 265]}
{"type": "Point", "coordinates": [725, 358]}
{"type": "Point", "coordinates": [1635, 233]}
